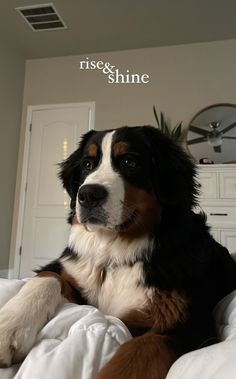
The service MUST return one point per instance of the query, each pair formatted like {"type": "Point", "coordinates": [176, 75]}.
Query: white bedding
{"type": "Point", "coordinates": [79, 340]}
{"type": "Point", "coordinates": [75, 344]}
{"type": "Point", "coordinates": [217, 361]}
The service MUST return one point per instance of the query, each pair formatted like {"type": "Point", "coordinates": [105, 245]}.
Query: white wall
{"type": "Point", "coordinates": [11, 95]}
{"type": "Point", "coordinates": [183, 79]}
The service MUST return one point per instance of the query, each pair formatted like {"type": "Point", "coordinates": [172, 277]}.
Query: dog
{"type": "Point", "coordinates": [136, 251]}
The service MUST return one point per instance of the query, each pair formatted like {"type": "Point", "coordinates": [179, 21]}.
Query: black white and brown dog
{"type": "Point", "coordinates": [136, 251]}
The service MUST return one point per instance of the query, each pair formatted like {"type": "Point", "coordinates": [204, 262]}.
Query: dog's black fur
{"type": "Point", "coordinates": [139, 252]}
{"type": "Point", "coordinates": [185, 257]}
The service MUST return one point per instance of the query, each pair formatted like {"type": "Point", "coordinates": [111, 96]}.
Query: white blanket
{"type": "Point", "coordinates": [79, 340]}
{"type": "Point", "coordinates": [75, 344]}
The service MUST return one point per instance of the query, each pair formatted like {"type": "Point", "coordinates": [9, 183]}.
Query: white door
{"type": "Point", "coordinates": [54, 135]}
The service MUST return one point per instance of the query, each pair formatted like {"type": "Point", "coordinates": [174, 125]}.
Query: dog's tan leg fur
{"type": "Point", "coordinates": [146, 357]}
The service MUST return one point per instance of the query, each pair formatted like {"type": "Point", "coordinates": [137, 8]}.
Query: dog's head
{"type": "Point", "coordinates": [124, 179]}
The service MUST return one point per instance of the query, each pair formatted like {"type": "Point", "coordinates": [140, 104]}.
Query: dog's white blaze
{"type": "Point", "coordinates": [120, 291]}
{"type": "Point", "coordinates": [111, 180]}
{"type": "Point", "coordinates": [22, 317]}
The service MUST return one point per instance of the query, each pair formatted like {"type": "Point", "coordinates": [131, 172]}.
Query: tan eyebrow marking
{"type": "Point", "coordinates": [92, 150]}
{"type": "Point", "coordinates": [120, 148]}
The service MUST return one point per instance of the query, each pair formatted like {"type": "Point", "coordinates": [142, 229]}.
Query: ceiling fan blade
{"type": "Point", "coordinates": [198, 130]}
{"type": "Point", "coordinates": [196, 140]}
{"type": "Point", "coordinates": [229, 127]}
{"type": "Point", "coordinates": [228, 137]}
{"type": "Point", "coordinates": [217, 149]}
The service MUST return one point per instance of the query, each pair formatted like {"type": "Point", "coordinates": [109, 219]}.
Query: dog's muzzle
{"type": "Point", "coordinates": [91, 197]}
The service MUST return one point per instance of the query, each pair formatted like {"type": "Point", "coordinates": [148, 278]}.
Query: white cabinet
{"type": "Point", "coordinates": [216, 234]}
{"type": "Point", "coordinates": [228, 238]}
{"type": "Point", "coordinates": [218, 201]}
{"type": "Point", "coordinates": [208, 185]}
{"type": "Point", "coordinates": [220, 215]}
{"type": "Point", "coordinates": [228, 185]}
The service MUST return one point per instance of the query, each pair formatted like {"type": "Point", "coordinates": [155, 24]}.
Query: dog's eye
{"type": "Point", "coordinates": [87, 164]}
{"type": "Point", "coordinates": [129, 163]}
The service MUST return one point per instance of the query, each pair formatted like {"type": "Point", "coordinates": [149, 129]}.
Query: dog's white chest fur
{"type": "Point", "coordinates": [103, 272]}
{"type": "Point", "coordinates": [122, 290]}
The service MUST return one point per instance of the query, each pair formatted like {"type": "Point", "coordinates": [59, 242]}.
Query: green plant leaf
{"type": "Point", "coordinates": [177, 131]}
{"type": "Point", "coordinates": [156, 116]}
{"type": "Point", "coordinates": [163, 126]}
{"type": "Point", "coordinates": [162, 121]}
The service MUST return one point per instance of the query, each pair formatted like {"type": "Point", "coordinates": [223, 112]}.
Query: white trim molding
{"type": "Point", "coordinates": [4, 273]}
{"type": "Point", "coordinates": [11, 273]}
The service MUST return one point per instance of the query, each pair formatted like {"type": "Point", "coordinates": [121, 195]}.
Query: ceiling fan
{"type": "Point", "coordinates": [214, 136]}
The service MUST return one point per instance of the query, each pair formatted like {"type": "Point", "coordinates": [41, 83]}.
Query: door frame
{"type": "Point", "coordinates": [19, 203]}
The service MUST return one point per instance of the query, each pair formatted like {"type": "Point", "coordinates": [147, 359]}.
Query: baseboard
{"type": "Point", "coordinates": [11, 274]}
{"type": "Point", "coordinates": [4, 273]}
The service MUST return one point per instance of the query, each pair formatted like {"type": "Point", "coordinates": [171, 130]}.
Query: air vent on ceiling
{"type": "Point", "coordinates": [42, 17]}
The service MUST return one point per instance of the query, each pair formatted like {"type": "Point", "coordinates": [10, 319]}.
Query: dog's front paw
{"type": "Point", "coordinates": [23, 316]}
{"type": "Point", "coordinates": [16, 339]}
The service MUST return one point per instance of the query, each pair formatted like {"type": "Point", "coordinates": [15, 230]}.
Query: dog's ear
{"type": "Point", "coordinates": [173, 170]}
{"type": "Point", "coordinates": [70, 169]}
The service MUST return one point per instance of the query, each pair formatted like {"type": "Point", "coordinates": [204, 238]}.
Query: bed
{"type": "Point", "coordinates": [79, 340]}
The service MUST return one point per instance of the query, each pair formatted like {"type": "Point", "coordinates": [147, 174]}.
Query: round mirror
{"type": "Point", "coordinates": [212, 134]}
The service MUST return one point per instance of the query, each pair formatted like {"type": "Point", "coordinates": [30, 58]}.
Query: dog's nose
{"type": "Point", "coordinates": [91, 195]}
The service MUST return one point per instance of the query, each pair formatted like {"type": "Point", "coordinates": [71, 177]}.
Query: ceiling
{"type": "Point", "coordinates": [110, 25]}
